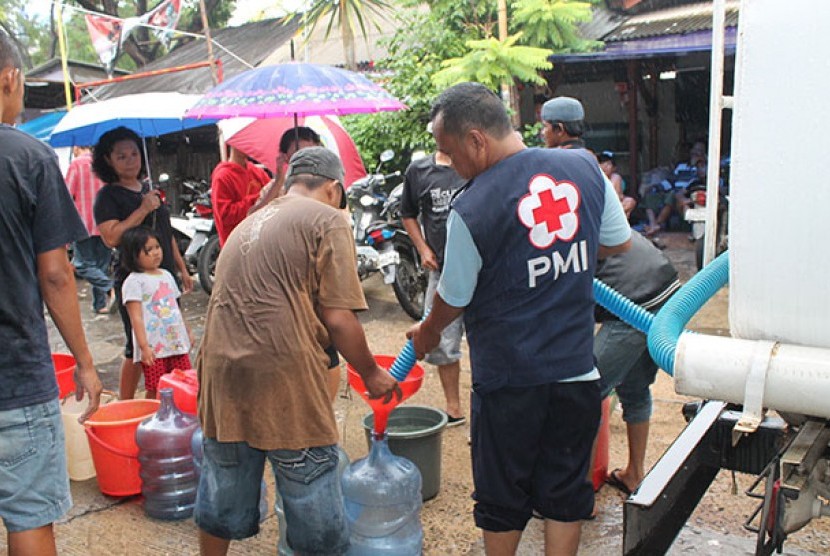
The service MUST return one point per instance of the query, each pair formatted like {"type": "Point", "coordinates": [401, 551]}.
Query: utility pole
{"type": "Point", "coordinates": [206, 29]}
{"type": "Point", "coordinates": [506, 87]}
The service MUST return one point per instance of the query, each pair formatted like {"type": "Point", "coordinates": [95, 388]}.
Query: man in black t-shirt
{"type": "Point", "coordinates": [429, 185]}
{"type": "Point", "coordinates": [37, 220]}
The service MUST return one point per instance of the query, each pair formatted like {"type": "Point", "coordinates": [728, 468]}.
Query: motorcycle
{"type": "Point", "coordinates": [195, 231]}
{"type": "Point", "coordinates": [411, 279]}
{"type": "Point", "coordinates": [381, 242]}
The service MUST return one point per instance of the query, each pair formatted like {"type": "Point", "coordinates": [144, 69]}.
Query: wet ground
{"type": "Point", "coordinates": [102, 525]}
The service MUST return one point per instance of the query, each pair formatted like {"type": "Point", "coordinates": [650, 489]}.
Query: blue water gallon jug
{"type": "Point", "coordinates": [168, 475]}
{"type": "Point", "coordinates": [198, 454]}
{"type": "Point", "coordinates": [382, 498]}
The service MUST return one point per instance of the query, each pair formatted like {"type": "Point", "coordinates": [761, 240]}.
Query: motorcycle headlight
{"type": "Point", "coordinates": [367, 200]}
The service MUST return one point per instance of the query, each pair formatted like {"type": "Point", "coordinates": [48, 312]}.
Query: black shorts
{"type": "Point", "coordinates": [531, 450]}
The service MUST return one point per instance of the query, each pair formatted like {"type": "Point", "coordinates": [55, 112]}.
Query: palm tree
{"type": "Point", "coordinates": [346, 13]}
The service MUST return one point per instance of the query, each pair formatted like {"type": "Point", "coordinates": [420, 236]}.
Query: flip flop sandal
{"type": "Point", "coordinates": [613, 480]}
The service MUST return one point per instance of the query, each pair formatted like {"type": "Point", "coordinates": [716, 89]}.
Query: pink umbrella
{"type": "Point", "coordinates": [294, 88]}
{"type": "Point", "coordinates": [259, 139]}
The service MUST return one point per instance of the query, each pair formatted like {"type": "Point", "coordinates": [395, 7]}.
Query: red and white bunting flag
{"type": "Point", "coordinates": [165, 15]}
{"type": "Point", "coordinates": [105, 33]}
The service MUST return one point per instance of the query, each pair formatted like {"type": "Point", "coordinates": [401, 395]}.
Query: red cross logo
{"type": "Point", "coordinates": [551, 210]}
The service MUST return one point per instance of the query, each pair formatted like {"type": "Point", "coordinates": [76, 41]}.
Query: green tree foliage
{"type": "Point", "coordinates": [37, 34]}
{"type": "Point", "coordinates": [491, 61]}
{"type": "Point", "coordinates": [415, 54]}
{"type": "Point", "coordinates": [449, 31]}
{"type": "Point", "coordinates": [552, 23]}
{"type": "Point", "coordinates": [539, 28]}
{"type": "Point", "coordinates": [30, 33]}
{"type": "Point", "coordinates": [346, 13]}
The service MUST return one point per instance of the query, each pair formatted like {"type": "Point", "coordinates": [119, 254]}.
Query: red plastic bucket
{"type": "Point", "coordinates": [64, 365]}
{"type": "Point", "coordinates": [111, 433]}
{"type": "Point", "coordinates": [600, 471]}
{"type": "Point", "coordinates": [185, 387]}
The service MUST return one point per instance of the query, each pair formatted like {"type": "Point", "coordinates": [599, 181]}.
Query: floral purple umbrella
{"type": "Point", "coordinates": [294, 89]}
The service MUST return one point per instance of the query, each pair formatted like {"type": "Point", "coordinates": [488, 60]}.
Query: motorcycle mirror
{"type": "Point", "coordinates": [387, 155]}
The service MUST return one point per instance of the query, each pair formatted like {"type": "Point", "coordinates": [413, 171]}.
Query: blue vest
{"type": "Point", "coordinates": [534, 218]}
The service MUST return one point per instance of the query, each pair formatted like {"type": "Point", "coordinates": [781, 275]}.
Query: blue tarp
{"type": "Point", "coordinates": [42, 126]}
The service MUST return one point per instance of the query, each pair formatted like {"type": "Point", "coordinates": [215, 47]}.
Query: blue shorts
{"type": "Point", "coordinates": [227, 501]}
{"type": "Point", "coordinates": [34, 483]}
{"type": "Point", "coordinates": [624, 362]}
{"type": "Point", "coordinates": [448, 350]}
{"type": "Point", "coordinates": [531, 451]}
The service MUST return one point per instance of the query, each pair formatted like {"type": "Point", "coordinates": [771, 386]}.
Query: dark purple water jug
{"type": "Point", "coordinates": [168, 474]}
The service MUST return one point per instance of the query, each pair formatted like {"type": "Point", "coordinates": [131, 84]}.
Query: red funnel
{"type": "Point", "coordinates": [409, 386]}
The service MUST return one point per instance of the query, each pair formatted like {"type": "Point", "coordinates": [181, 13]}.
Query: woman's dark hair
{"type": "Point", "coordinates": [100, 164]}
{"type": "Point", "coordinates": [132, 245]}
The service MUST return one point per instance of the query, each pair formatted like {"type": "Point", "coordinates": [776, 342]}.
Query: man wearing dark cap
{"type": "Point", "coordinates": [286, 288]}
{"type": "Point", "coordinates": [563, 123]}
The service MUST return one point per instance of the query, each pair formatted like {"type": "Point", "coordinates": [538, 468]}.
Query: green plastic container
{"type": "Point", "coordinates": [414, 433]}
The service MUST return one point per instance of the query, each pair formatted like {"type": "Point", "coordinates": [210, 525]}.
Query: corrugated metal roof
{"type": "Point", "coordinates": [252, 43]}
{"type": "Point", "coordinates": [603, 23]}
{"type": "Point", "coordinates": [672, 21]}
{"type": "Point", "coordinates": [51, 71]}
{"type": "Point", "coordinates": [666, 45]}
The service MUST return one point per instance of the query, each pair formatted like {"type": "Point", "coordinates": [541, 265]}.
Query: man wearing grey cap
{"type": "Point", "coordinates": [286, 288]}
{"type": "Point", "coordinates": [563, 123]}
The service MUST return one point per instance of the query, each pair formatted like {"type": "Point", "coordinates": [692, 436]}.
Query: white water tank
{"type": "Point", "coordinates": [779, 211]}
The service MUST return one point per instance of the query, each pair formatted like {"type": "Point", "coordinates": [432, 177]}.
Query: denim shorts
{"type": "Point", "coordinates": [34, 483]}
{"type": "Point", "coordinates": [227, 501]}
{"type": "Point", "coordinates": [449, 348]}
{"type": "Point", "coordinates": [624, 362]}
{"type": "Point", "coordinates": [531, 449]}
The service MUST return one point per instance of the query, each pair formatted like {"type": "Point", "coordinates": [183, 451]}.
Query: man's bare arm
{"type": "Point", "coordinates": [57, 285]}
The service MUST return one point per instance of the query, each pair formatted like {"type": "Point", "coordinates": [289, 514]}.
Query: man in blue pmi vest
{"type": "Point", "coordinates": [523, 238]}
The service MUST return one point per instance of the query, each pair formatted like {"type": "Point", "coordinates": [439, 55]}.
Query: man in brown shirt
{"type": "Point", "coordinates": [286, 288]}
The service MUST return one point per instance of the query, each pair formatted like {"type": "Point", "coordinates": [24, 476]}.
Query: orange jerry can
{"type": "Point", "coordinates": [185, 387]}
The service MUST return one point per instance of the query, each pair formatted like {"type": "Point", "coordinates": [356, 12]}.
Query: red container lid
{"type": "Point", "coordinates": [185, 387]}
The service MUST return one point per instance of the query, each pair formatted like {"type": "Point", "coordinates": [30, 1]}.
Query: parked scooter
{"type": "Point", "coordinates": [381, 242]}
{"type": "Point", "coordinates": [195, 231]}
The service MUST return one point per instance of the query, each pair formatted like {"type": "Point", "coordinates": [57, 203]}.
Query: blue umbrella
{"type": "Point", "coordinates": [148, 114]}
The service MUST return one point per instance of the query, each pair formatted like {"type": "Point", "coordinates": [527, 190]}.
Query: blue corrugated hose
{"type": "Point", "coordinates": [663, 329]}
{"type": "Point", "coordinates": [678, 311]}
{"type": "Point", "coordinates": [625, 309]}
{"type": "Point", "coordinates": [404, 362]}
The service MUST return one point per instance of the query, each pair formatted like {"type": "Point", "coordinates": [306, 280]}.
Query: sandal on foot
{"type": "Point", "coordinates": [455, 421]}
{"type": "Point", "coordinates": [613, 480]}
